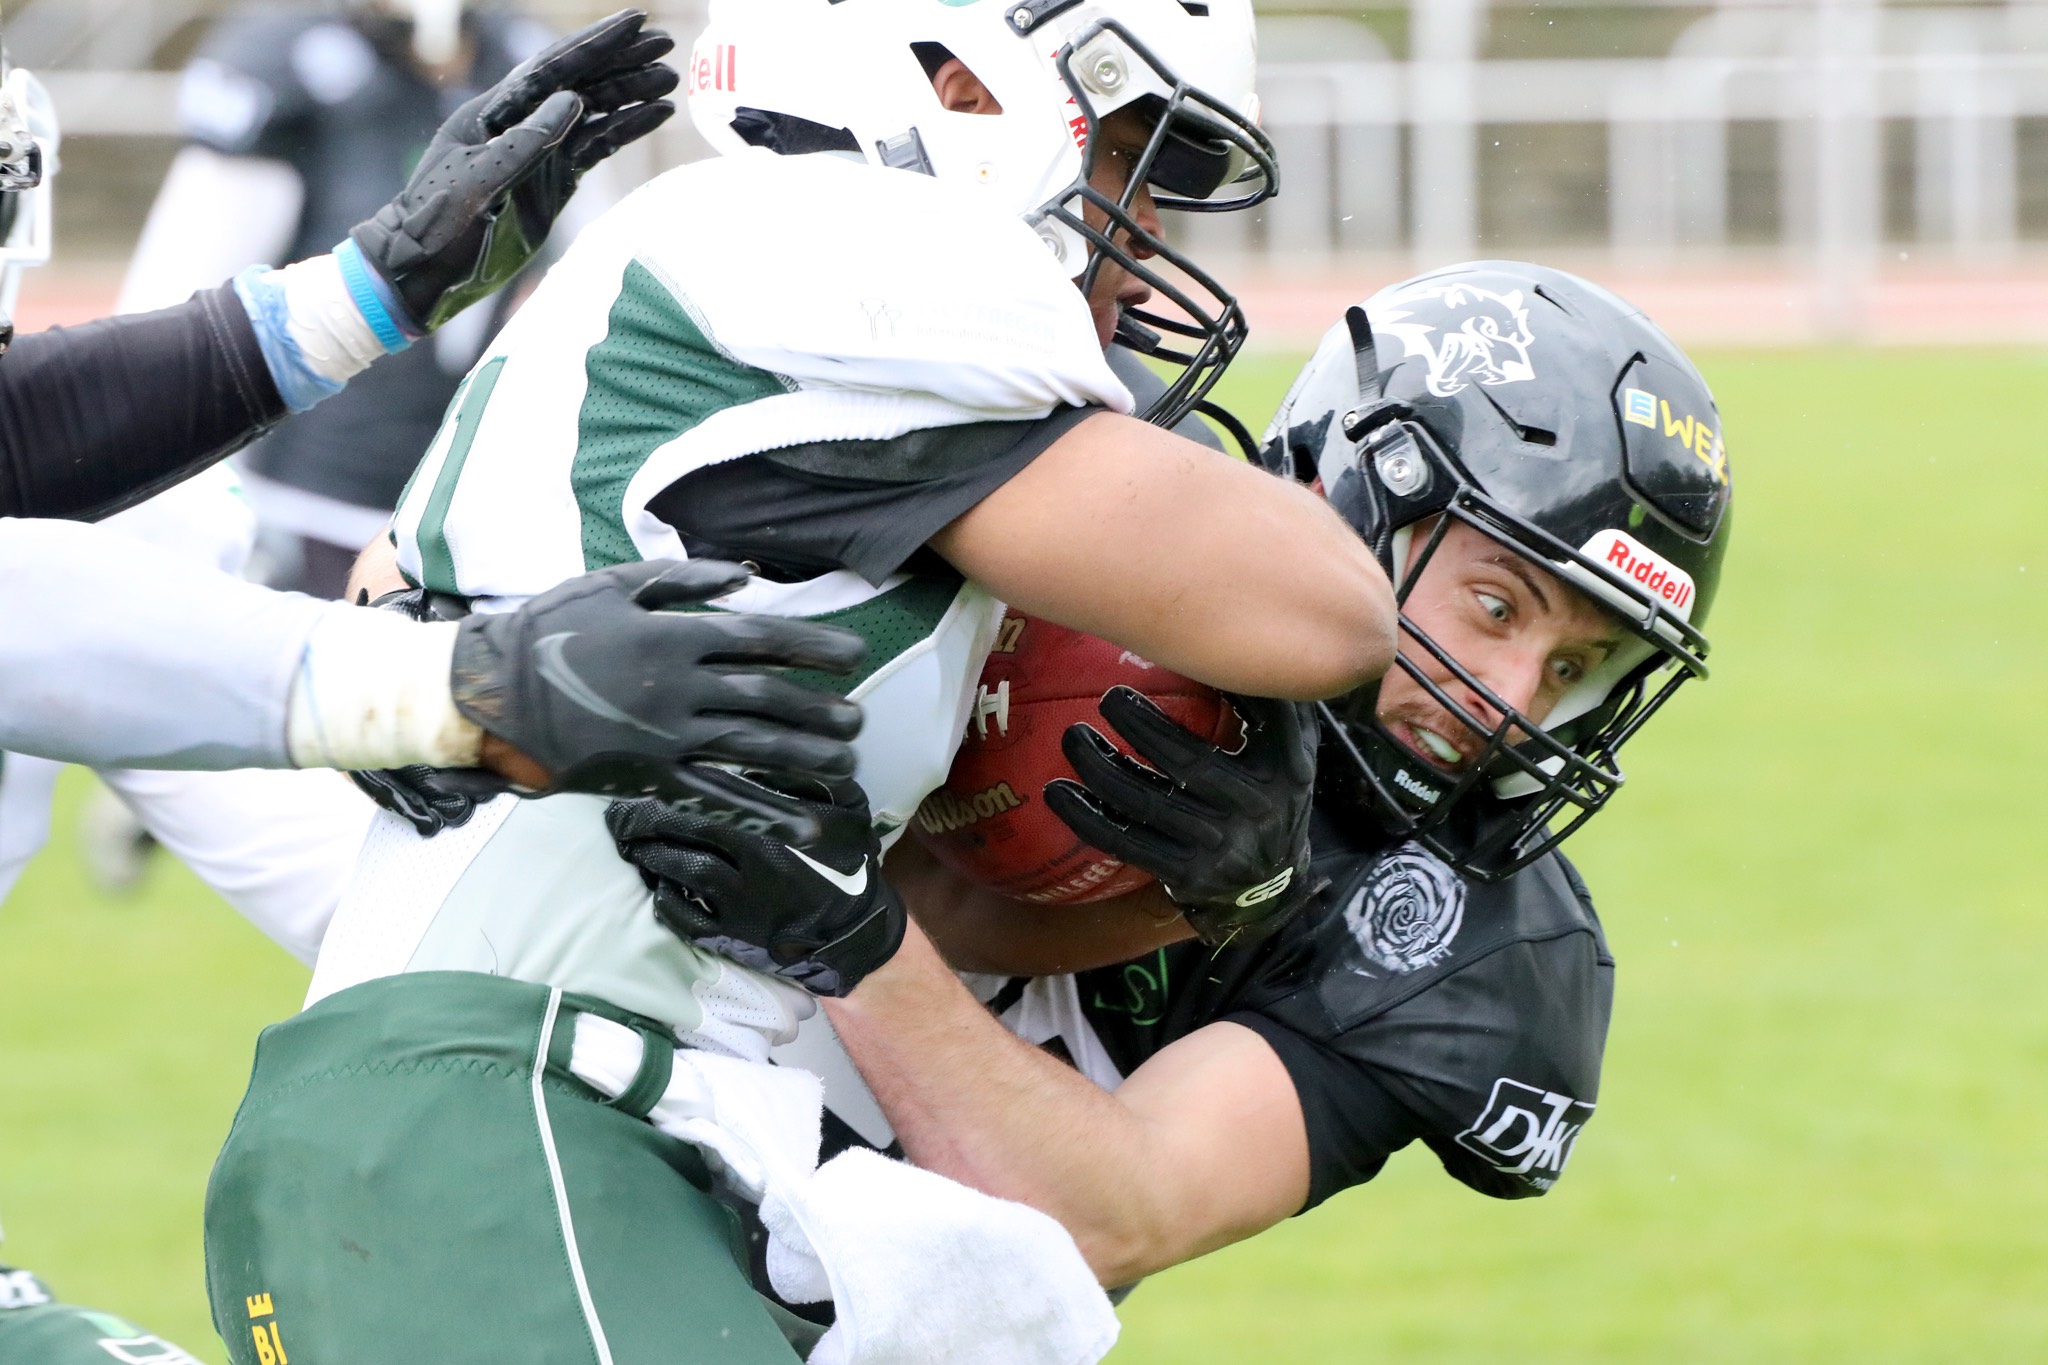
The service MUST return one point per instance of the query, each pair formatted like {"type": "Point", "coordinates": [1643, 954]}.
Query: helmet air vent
{"type": "Point", "coordinates": [905, 152]}
{"type": "Point", "coordinates": [1530, 433]}
{"type": "Point", "coordinates": [789, 135]}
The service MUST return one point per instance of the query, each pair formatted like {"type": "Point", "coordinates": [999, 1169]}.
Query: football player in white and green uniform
{"type": "Point", "coordinates": [853, 354]}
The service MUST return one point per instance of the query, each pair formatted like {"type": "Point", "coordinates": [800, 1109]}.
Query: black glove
{"type": "Point", "coordinates": [1225, 832]}
{"type": "Point", "coordinates": [822, 918]}
{"type": "Point", "coordinates": [613, 695]}
{"type": "Point", "coordinates": [430, 799]}
{"type": "Point", "coordinates": [446, 240]}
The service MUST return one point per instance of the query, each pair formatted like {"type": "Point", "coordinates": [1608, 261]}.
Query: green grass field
{"type": "Point", "coordinates": [1822, 1131]}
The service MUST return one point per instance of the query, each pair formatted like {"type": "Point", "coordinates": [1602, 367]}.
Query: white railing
{"type": "Point", "coordinates": [1383, 156]}
{"type": "Point", "coordinates": [1826, 76]}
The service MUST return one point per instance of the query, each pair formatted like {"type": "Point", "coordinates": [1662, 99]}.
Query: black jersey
{"type": "Point", "coordinates": [1407, 1004]}
{"type": "Point", "coordinates": [353, 119]}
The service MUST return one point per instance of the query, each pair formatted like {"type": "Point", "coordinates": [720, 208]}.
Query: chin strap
{"type": "Point", "coordinates": [1365, 355]}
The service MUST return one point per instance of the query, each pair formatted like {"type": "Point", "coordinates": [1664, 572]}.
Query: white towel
{"type": "Point", "coordinates": [919, 1269]}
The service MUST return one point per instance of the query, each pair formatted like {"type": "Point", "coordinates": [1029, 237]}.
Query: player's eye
{"type": "Point", "coordinates": [1496, 607]}
{"type": "Point", "coordinates": [1567, 671]}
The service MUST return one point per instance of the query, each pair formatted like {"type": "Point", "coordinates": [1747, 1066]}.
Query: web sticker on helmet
{"type": "Point", "coordinates": [1621, 553]}
{"type": "Point", "coordinates": [1696, 436]}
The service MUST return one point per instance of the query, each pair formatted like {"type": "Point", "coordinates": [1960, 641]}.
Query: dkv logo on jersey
{"type": "Point", "coordinates": [1527, 1132]}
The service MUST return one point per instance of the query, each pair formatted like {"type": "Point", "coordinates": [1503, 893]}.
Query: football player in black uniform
{"type": "Point", "coordinates": [1397, 952]}
{"type": "Point", "coordinates": [299, 123]}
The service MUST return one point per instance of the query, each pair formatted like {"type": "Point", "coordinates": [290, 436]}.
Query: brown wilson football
{"type": "Point", "coordinates": [989, 821]}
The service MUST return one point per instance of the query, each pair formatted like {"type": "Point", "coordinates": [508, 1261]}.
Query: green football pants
{"type": "Point", "coordinates": [415, 1175]}
{"type": "Point", "coordinates": [59, 1334]}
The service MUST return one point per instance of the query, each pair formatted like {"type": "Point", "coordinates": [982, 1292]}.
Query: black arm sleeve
{"type": "Point", "coordinates": [96, 418]}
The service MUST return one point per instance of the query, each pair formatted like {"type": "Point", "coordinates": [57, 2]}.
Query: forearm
{"type": "Point", "coordinates": [98, 417]}
{"type": "Point", "coordinates": [976, 930]}
{"type": "Point", "coordinates": [976, 1104]}
{"type": "Point", "coordinates": [120, 654]}
{"type": "Point", "coordinates": [1215, 569]}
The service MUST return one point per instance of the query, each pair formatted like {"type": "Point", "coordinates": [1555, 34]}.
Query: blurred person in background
{"type": "Point", "coordinates": [299, 123]}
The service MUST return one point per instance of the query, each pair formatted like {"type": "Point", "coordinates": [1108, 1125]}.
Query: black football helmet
{"type": "Point", "coordinates": [1552, 417]}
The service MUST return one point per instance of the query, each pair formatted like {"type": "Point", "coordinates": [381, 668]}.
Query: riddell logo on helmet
{"type": "Point", "coordinates": [1421, 791]}
{"type": "Point", "coordinates": [716, 70]}
{"type": "Point", "coordinates": [1076, 120]}
{"type": "Point", "coordinates": [1622, 553]}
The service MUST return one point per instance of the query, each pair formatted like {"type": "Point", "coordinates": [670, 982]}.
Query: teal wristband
{"type": "Point", "coordinates": [372, 298]}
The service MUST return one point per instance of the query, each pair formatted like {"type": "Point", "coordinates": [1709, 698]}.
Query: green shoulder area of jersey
{"type": "Point", "coordinates": [654, 376]}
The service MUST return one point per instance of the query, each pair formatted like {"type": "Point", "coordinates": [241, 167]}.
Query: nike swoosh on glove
{"type": "Point", "coordinates": [1226, 832]}
{"type": "Point", "coordinates": [613, 692]}
{"type": "Point", "coordinates": [821, 916]}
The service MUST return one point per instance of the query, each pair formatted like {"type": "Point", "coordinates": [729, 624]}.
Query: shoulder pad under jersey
{"type": "Point", "coordinates": [1389, 926]}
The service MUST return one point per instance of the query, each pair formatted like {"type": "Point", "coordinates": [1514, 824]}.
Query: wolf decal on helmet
{"type": "Point", "coordinates": [1490, 345]}
{"type": "Point", "coordinates": [1553, 462]}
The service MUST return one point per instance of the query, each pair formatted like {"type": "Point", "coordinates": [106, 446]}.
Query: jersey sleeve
{"type": "Point", "coordinates": [122, 654]}
{"type": "Point", "coordinates": [906, 290]}
{"type": "Point", "coordinates": [241, 94]}
{"type": "Point", "coordinates": [1495, 1067]}
{"type": "Point", "coordinates": [808, 322]}
{"type": "Point", "coordinates": [868, 506]}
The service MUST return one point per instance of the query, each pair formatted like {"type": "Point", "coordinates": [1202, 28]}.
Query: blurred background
{"type": "Point", "coordinates": [1752, 170]}
{"type": "Point", "coordinates": [1820, 1133]}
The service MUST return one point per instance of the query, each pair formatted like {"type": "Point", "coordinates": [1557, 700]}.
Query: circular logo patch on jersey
{"type": "Point", "coordinates": [1408, 911]}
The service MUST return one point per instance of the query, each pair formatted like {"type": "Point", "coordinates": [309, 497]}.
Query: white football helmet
{"type": "Point", "coordinates": [28, 163]}
{"type": "Point", "coordinates": [434, 26]}
{"type": "Point", "coordinates": [854, 76]}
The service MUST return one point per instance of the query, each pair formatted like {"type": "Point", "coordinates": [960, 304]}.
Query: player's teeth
{"type": "Point", "coordinates": [1437, 744]}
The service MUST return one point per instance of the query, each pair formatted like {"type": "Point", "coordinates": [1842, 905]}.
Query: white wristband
{"type": "Point", "coordinates": [372, 692]}
{"type": "Point", "coordinates": [324, 320]}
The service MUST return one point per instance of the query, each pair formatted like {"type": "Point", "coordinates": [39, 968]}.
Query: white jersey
{"type": "Point", "coordinates": [728, 308]}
